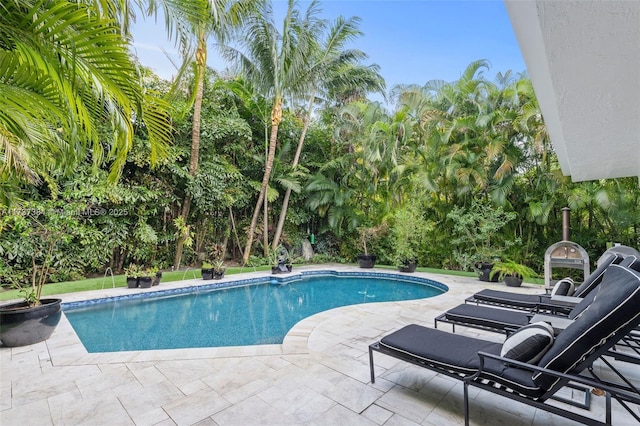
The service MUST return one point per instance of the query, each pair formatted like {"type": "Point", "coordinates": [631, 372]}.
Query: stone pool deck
{"type": "Point", "coordinates": [318, 376]}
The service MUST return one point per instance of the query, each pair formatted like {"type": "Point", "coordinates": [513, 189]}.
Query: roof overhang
{"type": "Point", "coordinates": [583, 58]}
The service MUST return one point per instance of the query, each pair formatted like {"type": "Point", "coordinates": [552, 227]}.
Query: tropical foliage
{"type": "Point", "coordinates": [448, 172]}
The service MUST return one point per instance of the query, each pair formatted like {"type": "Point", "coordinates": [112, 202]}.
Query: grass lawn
{"type": "Point", "coordinates": [120, 280]}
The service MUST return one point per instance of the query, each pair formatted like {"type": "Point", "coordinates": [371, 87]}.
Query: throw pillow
{"type": "Point", "coordinates": [564, 287]}
{"type": "Point", "coordinates": [529, 343]}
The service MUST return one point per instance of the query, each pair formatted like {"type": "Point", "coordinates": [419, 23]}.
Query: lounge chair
{"type": "Point", "coordinates": [544, 302]}
{"type": "Point", "coordinates": [503, 320]}
{"type": "Point", "coordinates": [480, 363]}
{"type": "Point", "coordinates": [506, 321]}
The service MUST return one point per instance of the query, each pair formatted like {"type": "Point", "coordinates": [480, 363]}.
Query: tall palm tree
{"type": "Point", "coordinates": [211, 18]}
{"type": "Point", "coordinates": [332, 68]}
{"type": "Point", "coordinates": [65, 68]}
{"type": "Point", "coordinates": [273, 61]}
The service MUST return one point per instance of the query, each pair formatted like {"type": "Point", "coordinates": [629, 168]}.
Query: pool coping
{"type": "Point", "coordinates": [208, 285]}
{"type": "Point", "coordinates": [67, 349]}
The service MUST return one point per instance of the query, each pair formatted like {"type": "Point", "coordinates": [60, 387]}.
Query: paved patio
{"type": "Point", "coordinates": [318, 376]}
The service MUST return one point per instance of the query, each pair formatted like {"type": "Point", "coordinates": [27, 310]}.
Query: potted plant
{"type": "Point", "coordinates": [145, 280]}
{"type": "Point", "coordinates": [207, 271]}
{"type": "Point", "coordinates": [157, 278]}
{"type": "Point", "coordinates": [511, 272]}
{"type": "Point", "coordinates": [484, 269]}
{"type": "Point", "coordinates": [218, 269]}
{"type": "Point", "coordinates": [133, 272]}
{"type": "Point", "coordinates": [33, 319]}
{"type": "Point", "coordinates": [213, 266]}
{"type": "Point", "coordinates": [366, 234]}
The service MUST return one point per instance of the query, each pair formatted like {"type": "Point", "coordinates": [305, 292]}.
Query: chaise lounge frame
{"type": "Point", "coordinates": [544, 303]}
{"type": "Point", "coordinates": [611, 390]}
{"type": "Point", "coordinates": [611, 317]}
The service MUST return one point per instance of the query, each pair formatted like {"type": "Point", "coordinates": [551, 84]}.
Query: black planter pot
{"type": "Point", "coordinates": [407, 267]}
{"type": "Point", "coordinates": [512, 281]}
{"type": "Point", "coordinates": [21, 326]}
{"type": "Point", "coordinates": [218, 275]}
{"type": "Point", "coordinates": [207, 274]}
{"type": "Point", "coordinates": [132, 282]}
{"type": "Point", "coordinates": [157, 278]}
{"type": "Point", "coordinates": [145, 282]}
{"type": "Point", "coordinates": [366, 260]}
{"type": "Point", "coordinates": [484, 271]}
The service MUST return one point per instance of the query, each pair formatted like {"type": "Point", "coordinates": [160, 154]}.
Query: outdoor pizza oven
{"type": "Point", "coordinates": [564, 254]}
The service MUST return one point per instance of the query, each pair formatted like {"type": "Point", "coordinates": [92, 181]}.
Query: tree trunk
{"type": "Point", "coordinates": [235, 230]}
{"type": "Point", "coordinates": [265, 230]}
{"type": "Point", "coordinates": [201, 62]}
{"type": "Point", "coordinates": [265, 214]}
{"type": "Point", "coordinates": [276, 117]}
{"type": "Point", "coordinates": [296, 159]}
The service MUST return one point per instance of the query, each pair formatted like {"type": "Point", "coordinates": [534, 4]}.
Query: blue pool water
{"type": "Point", "coordinates": [256, 312]}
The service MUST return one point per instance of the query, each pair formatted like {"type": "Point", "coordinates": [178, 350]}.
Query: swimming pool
{"type": "Point", "coordinates": [246, 312]}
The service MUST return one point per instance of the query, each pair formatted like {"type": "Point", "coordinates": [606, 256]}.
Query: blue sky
{"type": "Point", "coordinates": [412, 41]}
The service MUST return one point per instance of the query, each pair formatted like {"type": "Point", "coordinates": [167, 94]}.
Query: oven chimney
{"type": "Point", "coordinates": [566, 224]}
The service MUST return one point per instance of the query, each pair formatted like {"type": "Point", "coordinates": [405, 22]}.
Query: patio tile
{"type": "Point", "coordinates": [377, 414]}
{"type": "Point", "coordinates": [99, 410]}
{"type": "Point", "coordinates": [144, 402]}
{"type": "Point", "coordinates": [98, 381]}
{"type": "Point", "coordinates": [206, 422]}
{"type": "Point", "coordinates": [196, 407]}
{"type": "Point", "coordinates": [353, 394]}
{"type": "Point", "coordinates": [409, 403]}
{"type": "Point", "coordinates": [398, 420]}
{"type": "Point", "coordinates": [245, 391]}
{"type": "Point", "coordinates": [34, 414]}
{"type": "Point", "coordinates": [252, 411]}
{"type": "Point", "coordinates": [289, 397]}
{"type": "Point", "coordinates": [154, 417]}
{"type": "Point", "coordinates": [407, 375]}
{"type": "Point", "coordinates": [193, 387]}
{"type": "Point", "coordinates": [184, 372]}
{"type": "Point", "coordinates": [339, 415]}
{"type": "Point", "coordinates": [236, 376]}
{"type": "Point", "coordinates": [312, 410]}
{"type": "Point", "coordinates": [147, 375]}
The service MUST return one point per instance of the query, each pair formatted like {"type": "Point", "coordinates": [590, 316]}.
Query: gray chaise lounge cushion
{"type": "Point", "coordinates": [458, 354]}
{"type": "Point", "coordinates": [614, 306]}
{"type": "Point", "coordinates": [596, 276]}
{"type": "Point", "coordinates": [529, 301]}
{"type": "Point", "coordinates": [487, 317]}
